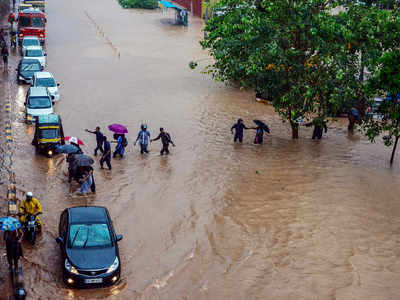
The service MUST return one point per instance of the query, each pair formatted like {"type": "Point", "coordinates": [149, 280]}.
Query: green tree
{"type": "Point", "coordinates": [387, 80]}
{"type": "Point", "coordinates": [309, 60]}
{"type": "Point", "coordinates": [292, 51]}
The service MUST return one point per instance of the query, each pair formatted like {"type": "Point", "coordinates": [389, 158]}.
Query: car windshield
{"type": "Point", "coordinates": [49, 133]}
{"type": "Point", "coordinates": [89, 235]}
{"type": "Point", "coordinates": [37, 22]}
{"type": "Point", "coordinates": [30, 42]}
{"type": "Point", "coordinates": [24, 21]}
{"type": "Point", "coordinates": [45, 82]}
{"type": "Point", "coordinates": [30, 66]}
{"type": "Point", "coordinates": [39, 102]}
{"type": "Point", "coordinates": [34, 53]}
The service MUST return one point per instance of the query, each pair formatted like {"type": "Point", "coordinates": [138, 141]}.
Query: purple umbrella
{"type": "Point", "coordinates": [118, 128]}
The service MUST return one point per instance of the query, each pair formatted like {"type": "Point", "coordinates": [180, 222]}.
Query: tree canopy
{"type": "Point", "coordinates": [305, 56]}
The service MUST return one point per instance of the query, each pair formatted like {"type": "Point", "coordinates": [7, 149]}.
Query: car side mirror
{"type": "Point", "coordinates": [58, 84]}
{"type": "Point", "coordinates": [60, 240]}
{"type": "Point", "coordinates": [119, 237]}
{"type": "Point", "coordinates": [45, 54]}
{"type": "Point", "coordinates": [52, 97]}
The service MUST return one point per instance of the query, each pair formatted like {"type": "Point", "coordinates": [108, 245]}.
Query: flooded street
{"type": "Point", "coordinates": [286, 220]}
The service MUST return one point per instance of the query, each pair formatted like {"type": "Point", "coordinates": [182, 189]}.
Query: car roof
{"type": "Point", "coordinates": [43, 75]}
{"type": "Point", "coordinates": [38, 91]}
{"type": "Point", "coordinates": [49, 119]}
{"type": "Point", "coordinates": [30, 60]}
{"type": "Point", "coordinates": [30, 37]}
{"type": "Point", "coordinates": [87, 214]}
{"type": "Point", "coordinates": [33, 48]}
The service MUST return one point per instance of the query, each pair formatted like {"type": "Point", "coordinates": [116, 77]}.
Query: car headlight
{"type": "Point", "coordinates": [70, 268]}
{"type": "Point", "coordinates": [29, 117]}
{"type": "Point", "coordinates": [114, 266]}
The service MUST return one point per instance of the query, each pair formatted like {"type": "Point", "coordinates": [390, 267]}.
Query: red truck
{"type": "Point", "coordinates": [31, 22]}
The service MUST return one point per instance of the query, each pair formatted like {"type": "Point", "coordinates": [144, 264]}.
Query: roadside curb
{"type": "Point", "coordinates": [8, 160]}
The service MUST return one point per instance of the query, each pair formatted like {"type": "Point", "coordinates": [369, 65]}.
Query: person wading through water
{"type": "Point", "coordinates": [99, 140]}
{"type": "Point", "coordinates": [106, 155]}
{"type": "Point", "coordinates": [13, 247]}
{"type": "Point", "coordinates": [239, 126]}
{"type": "Point", "coordinates": [165, 140]}
{"type": "Point", "coordinates": [143, 138]}
{"type": "Point", "coordinates": [319, 125]}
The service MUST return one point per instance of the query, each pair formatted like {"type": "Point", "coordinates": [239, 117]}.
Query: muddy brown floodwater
{"type": "Point", "coordinates": [287, 220]}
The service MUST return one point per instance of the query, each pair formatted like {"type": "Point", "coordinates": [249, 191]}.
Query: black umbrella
{"type": "Point", "coordinates": [262, 125]}
{"type": "Point", "coordinates": [82, 160]}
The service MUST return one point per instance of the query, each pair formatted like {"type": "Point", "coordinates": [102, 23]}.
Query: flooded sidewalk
{"type": "Point", "coordinates": [213, 220]}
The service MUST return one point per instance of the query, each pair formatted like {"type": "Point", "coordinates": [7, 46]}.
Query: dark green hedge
{"type": "Point", "coordinates": [150, 4]}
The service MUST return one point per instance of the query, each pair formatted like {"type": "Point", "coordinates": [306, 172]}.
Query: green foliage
{"type": "Point", "coordinates": [149, 4]}
{"type": "Point", "coordinates": [387, 80]}
{"type": "Point", "coordinates": [292, 51]}
{"type": "Point", "coordinates": [309, 61]}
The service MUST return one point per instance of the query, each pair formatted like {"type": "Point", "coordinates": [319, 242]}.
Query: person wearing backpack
{"type": "Point", "coordinates": [165, 140]}
{"type": "Point", "coordinates": [121, 144]}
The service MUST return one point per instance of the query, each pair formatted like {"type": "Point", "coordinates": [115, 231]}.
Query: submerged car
{"type": "Point", "coordinates": [29, 41]}
{"type": "Point", "coordinates": [46, 79]}
{"type": "Point", "coordinates": [38, 102]}
{"type": "Point", "coordinates": [26, 69]}
{"type": "Point", "coordinates": [89, 247]}
{"type": "Point", "coordinates": [35, 52]}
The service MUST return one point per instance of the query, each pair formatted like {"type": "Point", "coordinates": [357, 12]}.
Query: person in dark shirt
{"type": "Point", "coordinates": [99, 140]}
{"type": "Point", "coordinates": [106, 155]}
{"type": "Point", "coordinates": [319, 126]}
{"type": "Point", "coordinates": [239, 126]}
{"type": "Point", "coordinates": [13, 247]}
{"type": "Point", "coordinates": [165, 140]}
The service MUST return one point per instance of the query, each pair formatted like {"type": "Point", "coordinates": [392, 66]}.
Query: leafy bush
{"type": "Point", "coordinates": [149, 4]}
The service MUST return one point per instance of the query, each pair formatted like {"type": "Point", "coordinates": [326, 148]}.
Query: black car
{"type": "Point", "coordinates": [26, 68]}
{"type": "Point", "coordinates": [89, 247]}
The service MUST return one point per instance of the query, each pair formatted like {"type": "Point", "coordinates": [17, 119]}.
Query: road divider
{"type": "Point", "coordinates": [100, 31]}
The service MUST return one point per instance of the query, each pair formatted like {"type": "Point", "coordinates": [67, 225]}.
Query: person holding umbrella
{"type": "Point", "coordinates": [165, 140]}
{"type": "Point", "coordinates": [99, 139]}
{"type": "Point", "coordinates": [143, 138]}
{"type": "Point", "coordinates": [261, 127]}
{"type": "Point", "coordinates": [119, 136]}
{"type": "Point", "coordinates": [12, 236]}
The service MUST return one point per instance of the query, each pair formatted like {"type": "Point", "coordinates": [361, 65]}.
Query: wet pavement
{"type": "Point", "coordinates": [286, 220]}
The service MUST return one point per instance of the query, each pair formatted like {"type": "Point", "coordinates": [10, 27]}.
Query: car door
{"type": "Point", "coordinates": [63, 229]}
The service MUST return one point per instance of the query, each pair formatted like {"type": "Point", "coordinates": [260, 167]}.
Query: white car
{"type": "Point", "coordinates": [29, 41]}
{"type": "Point", "coordinates": [35, 52]}
{"type": "Point", "coordinates": [38, 102]}
{"type": "Point", "coordinates": [46, 79]}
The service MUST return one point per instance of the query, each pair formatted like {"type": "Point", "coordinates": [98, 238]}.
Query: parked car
{"type": "Point", "coordinates": [89, 247]}
{"type": "Point", "coordinates": [26, 69]}
{"type": "Point", "coordinates": [29, 41]}
{"type": "Point", "coordinates": [35, 52]}
{"type": "Point", "coordinates": [38, 102]}
{"type": "Point", "coordinates": [46, 79]}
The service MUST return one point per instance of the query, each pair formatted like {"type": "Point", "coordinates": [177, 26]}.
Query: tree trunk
{"type": "Point", "coordinates": [394, 150]}
{"type": "Point", "coordinates": [295, 130]}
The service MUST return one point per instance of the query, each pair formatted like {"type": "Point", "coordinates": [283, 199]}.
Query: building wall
{"type": "Point", "coordinates": [189, 4]}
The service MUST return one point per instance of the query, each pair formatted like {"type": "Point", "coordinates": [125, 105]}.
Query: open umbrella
{"type": "Point", "coordinates": [82, 160]}
{"type": "Point", "coordinates": [74, 140]}
{"type": "Point", "coordinates": [118, 128]}
{"type": "Point", "coordinates": [67, 149]}
{"type": "Point", "coordinates": [262, 125]}
{"type": "Point", "coordinates": [9, 224]}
